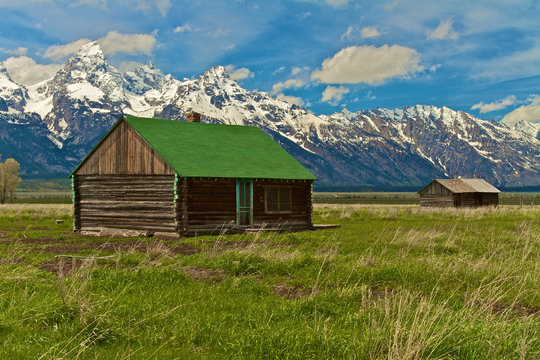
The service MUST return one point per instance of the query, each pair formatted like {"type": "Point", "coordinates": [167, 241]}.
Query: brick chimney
{"type": "Point", "coordinates": [193, 117]}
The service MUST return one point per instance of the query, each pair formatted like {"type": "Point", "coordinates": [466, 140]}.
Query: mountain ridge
{"type": "Point", "coordinates": [388, 147]}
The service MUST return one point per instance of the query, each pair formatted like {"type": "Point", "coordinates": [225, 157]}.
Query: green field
{"type": "Point", "coordinates": [400, 198]}
{"type": "Point", "coordinates": [409, 198]}
{"type": "Point", "coordinates": [393, 282]}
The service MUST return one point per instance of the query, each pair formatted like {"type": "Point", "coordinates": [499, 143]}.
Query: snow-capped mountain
{"type": "Point", "coordinates": [380, 147]}
{"type": "Point", "coordinates": [12, 95]}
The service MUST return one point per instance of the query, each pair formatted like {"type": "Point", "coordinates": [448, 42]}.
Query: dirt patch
{"type": "Point", "coordinates": [15, 260]}
{"type": "Point", "coordinates": [44, 240]}
{"type": "Point", "coordinates": [184, 249]}
{"type": "Point", "coordinates": [211, 275]}
{"type": "Point", "coordinates": [380, 294]}
{"type": "Point", "coordinates": [291, 291]}
{"type": "Point", "coordinates": [499, 307]}
{"type": "Point", "coordinates": [63, 266]}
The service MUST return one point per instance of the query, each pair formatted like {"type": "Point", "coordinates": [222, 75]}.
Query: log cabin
{"type": "Point", "coordinates": [459, 193]}
{"type": "Point", "coordinates": [184, 178]}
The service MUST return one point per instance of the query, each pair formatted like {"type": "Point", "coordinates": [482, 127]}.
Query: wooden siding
{"type": "Point", "coordinates": [142, 203]}
{"type": "Point", "coordinates": [459, 200]}
{"type": "Point", "coordinates": [435, 189]}
{"type": "Point", "coordinates": [210, 205]}
{"type": "Point", "coordinates": [436, 200]}
{"type": "Point", "coordinates": [490, 199]}
{"type": "Point", "coordinates": [476, 199]}
{"type": "Point", "coordinates": [301, 206]}
{"type": "Point", "coordinates": [124, 152]}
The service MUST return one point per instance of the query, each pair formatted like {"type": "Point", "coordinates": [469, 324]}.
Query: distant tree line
{"type": "Point", "coordinates": [9, 179]}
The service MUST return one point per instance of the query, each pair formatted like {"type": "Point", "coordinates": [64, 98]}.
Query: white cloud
{"type": "Point", "coordinates": [182, 28]}
{"type": "Point", "coordinates": [304, 15]}
{"type": "Point", "coordinates": [115, 42]}
{"type": "Point", "coordinates": [162, 6]}
{"type": "Point", "coordinates": [369, 32]}
{"type": "Point", "coordinates": [294, 100]}
{"type": "Point", "coordinates": [57, 52]}
{"type": "Point", "coordinates": [333, 94]}
{"type": "Point", "coordinates": [348, 35]}
{"type": "Point", "coordinates": [100, 3]}
{"type": "Point", "coordinates": [278, 70]}
{"type": "Point", "coordinates": [368, 64]}
{"type": "Point", "coordinates": [297, 70]}
{"type": "Point", "coordinates": [26, 71]}
{"type": "Point", "coordinates": [228, 47]}
{"type": "Point", "coordinates": [434, 68]}
{"type": "Point", "coordinates": [20, 51]}
{"type": "Point", "coordinates": [221, 32]}
{"type": "Point", "coordinates": [238, 74]}
{"type": "Point", "coordinates": [291, 83]}
{"type": "Point", "coordinates": [497, 105]}
{"type": "Point", "coordinates": [337, 2]}
{"type": "Point", "coordinates": [129, 66]}
{"type": "Point", "coordinates": [530, 112]}
{"type": "Point", "coordinates": [518, 64]}
{"type": "Point", "coordinates": [443, 31]}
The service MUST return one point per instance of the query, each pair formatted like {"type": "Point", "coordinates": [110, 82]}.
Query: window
{"type": "Point", "coordinates": [277, 199]}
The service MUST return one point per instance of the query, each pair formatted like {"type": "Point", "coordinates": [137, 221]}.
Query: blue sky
{"type": "Point", "coordinates": [478, 56]}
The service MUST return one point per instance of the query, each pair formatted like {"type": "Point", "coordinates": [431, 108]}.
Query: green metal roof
{"type": "Point", "coordinates": [216, 150]}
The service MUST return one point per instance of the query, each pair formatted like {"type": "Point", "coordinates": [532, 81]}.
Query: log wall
{"type": "Point", "coordinates": [142, 203]}
{"type": "Point", "coordinates": [124, 151]}
{"type": "Point", "coordinates": [490, 199]}
{"type": "Point", "coordinates": [432, 200]}
{"type": "Point", "coordinates": [459, 200]}
{"type": "Point", "coordinates": [210, 205]}
{"type": "Point", "coordinates": [300, 217]}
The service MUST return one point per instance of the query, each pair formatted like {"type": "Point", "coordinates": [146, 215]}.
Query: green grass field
{"type": "Point", "coordinates": [381, 198]}
{"type": "Point", "coordinates": [393, 282]}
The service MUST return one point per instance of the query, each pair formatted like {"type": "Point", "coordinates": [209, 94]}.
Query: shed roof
{"type": "Point", "coordinates": [466, 185]}
{"type": "Point", "coordinates": [217, 150]}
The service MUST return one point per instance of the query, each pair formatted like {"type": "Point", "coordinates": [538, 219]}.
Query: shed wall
{"type": "Point", "coordinates": [138, 202]}
{"type": "Point", "coordinates": [211, 205]}
{"type": "Point", "coordinates": [435, 189]}
{"type": "Point", "coordinates": [490, 199]}
{"type": "Point", "coordinates": [429, 200]}
{"type": "Point", "coordinates": [300, 216]}
{"type": "Point", "coordinates": [124, 152]}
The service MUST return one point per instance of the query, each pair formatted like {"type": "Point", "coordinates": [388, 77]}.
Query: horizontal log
{"type": "Point", "coordinates": [101, 229]}
{"type": "Point", "coordinates": [88, 227]}
{"type": "Point", "coordinates": [140, 222]}
{"type": "Point", "coordinates": [127, 214]}
{"type": "Point", "coordinates": [127, 202]}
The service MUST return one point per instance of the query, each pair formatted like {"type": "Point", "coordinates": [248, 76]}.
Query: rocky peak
{"type": "Point", "coordinates": [88, 75]}
{"type": "Point", "coordinates": [12, 95]}
{"type": "Point", "coordinates": [145, 77]}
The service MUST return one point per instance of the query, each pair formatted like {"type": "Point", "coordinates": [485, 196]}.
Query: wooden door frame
{"type": "Point", "coordinates": [249, 181]}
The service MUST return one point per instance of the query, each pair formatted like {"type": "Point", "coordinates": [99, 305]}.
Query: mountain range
{"type": "Point", "coordinates": [50, 126]}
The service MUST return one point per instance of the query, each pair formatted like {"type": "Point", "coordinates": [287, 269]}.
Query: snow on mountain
{"type": "Point", "coordinates": [144, 78]}
{"type": "Point", "coordinates": [12, 95]}
{"type": "Point", "coordinates": [389, 147]}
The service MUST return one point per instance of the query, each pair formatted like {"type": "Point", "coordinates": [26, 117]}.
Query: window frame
{"type": "Point", "coordinates": [278, 188]}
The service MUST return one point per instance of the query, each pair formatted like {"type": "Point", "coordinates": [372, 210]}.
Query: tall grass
{"type": "Point", "coordinates": [390, 283]}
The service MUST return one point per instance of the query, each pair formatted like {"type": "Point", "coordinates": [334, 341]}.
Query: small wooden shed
{"type": "Point", "coordinates": [186, 178]}
{"type": "Point", "coordinates": [458, 193]}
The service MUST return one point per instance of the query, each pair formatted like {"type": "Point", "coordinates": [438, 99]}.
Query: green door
{"type": "Point", "coordinates": [244, 203]}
